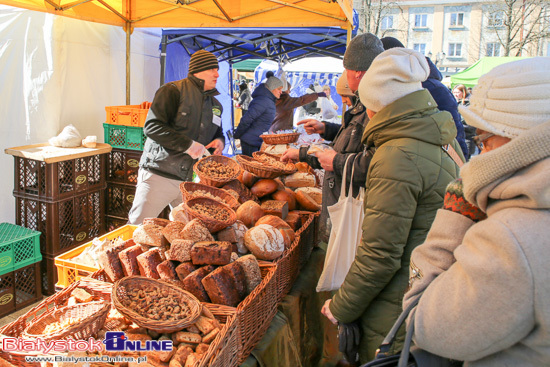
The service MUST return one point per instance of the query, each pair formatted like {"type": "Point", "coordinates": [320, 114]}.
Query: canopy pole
{"type": "Point", "coordinates": [350, 28]}
{"type": "Point", "coordinates": [128, 33]}
{"type": "Point", "coordinates": [163, 42]}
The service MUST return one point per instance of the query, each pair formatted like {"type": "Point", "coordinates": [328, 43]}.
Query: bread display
{"type": "Point", "coordinates": [307, 202]}
{"type": "Point", "coordinates": [148, 262]}
{"type": "Point", "coordinates": [172, 231]}
{"type": "Point", "coordinates": [149, 234]}
{"type": "Point", "coordinates": [300, 179]}
{"type": "Point", "coordinates": [264, 187]}
{"type": "Point", "coordinates": [239, 277]}
{"type": "Point", "coordinates": [167, 270]}
{"type": "Point", "coordinates": [265, 242]}
{"type": "Point", "coordinates": [196, 231]}
{"type": "Point", "coordinates": [108, 259]}
{"type": "Point", "coordinates": [249, 212]}
{"type": "Point", "coordinates": [184, 269]}
{"type": "Point", "coordinates": [128, 260]}
{"type": "Point", "coordinates": [315, 193]}
{"type": "Point", "coordinates": [252, 273]}
{"type": "Point", "coordinates": [193, 284]}
{"type": "Point", "coordinates": [220, 286]}
{"type": "Point", "coordinates": [287, 195]}
{"type": "Point", "coordinates": [277, 208]}
{"type": "Point", "coordinates": [211, 253]}
{"type": "Point", "coordinates": [180, 250]}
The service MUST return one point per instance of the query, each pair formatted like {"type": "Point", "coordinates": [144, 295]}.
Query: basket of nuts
{"type": "Point", "coordinates": [79, 321]}
{"type": "Point", "coordinates": [265, 165]}
{"type": "Point", "coordinates": [215, 215]}
{"type": "Point", "coordinates": [217, 170]}
{"type": "Point", "coordinates": [154, 304]}
{"type": "Point", "coordinates": [275, 139]}
{"type": "Point", "coordinates": [191, 190]}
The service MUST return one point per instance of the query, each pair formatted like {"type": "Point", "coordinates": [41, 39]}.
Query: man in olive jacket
{"type": "Point", "coordinates": [405, 186]}
{"type": "Point", "coordinates": [184, 120]}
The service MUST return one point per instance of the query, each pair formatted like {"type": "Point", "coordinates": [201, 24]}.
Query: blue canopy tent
{"type": "Point", "coordinates": [232, 45]}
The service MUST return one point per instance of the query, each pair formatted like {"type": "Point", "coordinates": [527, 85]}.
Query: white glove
{"type": "Point", "coordinates": [196, 150]}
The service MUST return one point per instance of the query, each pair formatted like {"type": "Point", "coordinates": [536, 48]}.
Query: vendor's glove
{"type": "Point", "coordinates": [196, 150]}
{"type": "Point", "coordinates": [349, 337]}
{"type": "Point", "coordinates": [455, 202]}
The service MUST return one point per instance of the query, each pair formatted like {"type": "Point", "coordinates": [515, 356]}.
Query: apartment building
{"type": "Point", "coordinates": [454, 34]}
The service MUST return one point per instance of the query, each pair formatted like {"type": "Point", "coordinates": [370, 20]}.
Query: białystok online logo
{"type": "Point", "coordinates": [117, 341]}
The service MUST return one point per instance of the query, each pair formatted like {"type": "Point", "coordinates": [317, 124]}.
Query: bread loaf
{"type": "Point", "coordinates": [184, 269]}
{"type": "Point", "coordinates": [220, 286]}
{"type": "Point", "coordinates": [249, 213]}
{"type": "Point", "coordinates": [128, 260]}
{"type": "Point", "coordinates": [157, 221]}
{"type": "Point", "coordinates": [252, 273]}
{"type": "Point", "coordinates": [286, 195]}
{"type": "Point", "coordinates": [193, 284]}
{"type": "Point", "coordinates": [239, 277]}
{"type": "Point", "coordinates": [167, 270]}
{"type": "Point", "coordinates": [149, 234]}
{"type": "Point", "coordinates": [108, 260]}
{"type": "Point", "coordinates": [196, 231]}
{"type": "Point", "coordinates": [277, 208]}
{"type": "Point", "coordinates": [248, 179]}
{"type": "Point", "coordinates": [281, 225]}
{"type": "Point", "coordinates": [172, 231]}
{"type": "Point", "coordinates": [181, 250]}
{"type": "Point", "coordinates": [315, 193]}
{"type": "Point", "coordinates": [303, 167]}
{"type": "Point", "coordinates": [211, 253]}
{"type": "Point", "coordinates": [300, 179]}
{"type": "Point", "coordinates": [244, 193]}
{"type": "Point", "coordinates": [294, 220]}
{"type": "Point", "coordinates": [307, 202]}
{"type": "Point", "coordinates": [265, 242]}
{"type": "Point", "coordinates": [264, 187]}
{"type": "Point", "coordinates": [148, 262]}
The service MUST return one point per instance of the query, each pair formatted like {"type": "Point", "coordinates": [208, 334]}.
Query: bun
{"type": "Point", "coordinates": [315, 193]}
{"type": "Point", "coordinates": [264, 187]}
{"type": "Point", "coordinates": [249, 212]}
{"type": "Point", "coordinates": [265, 242]}
{"type": "Point", "coordinates": [307, 202]}
{"type": "Point", "coordinates": [286, 195]}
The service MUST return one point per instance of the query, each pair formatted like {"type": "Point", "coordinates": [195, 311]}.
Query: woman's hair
{"type": "Point", "coordinates": [243, 86]}
{"type": "Point", "coordinates": [464, 91]}
{"type": "Point", "coordinates": [326, 87]}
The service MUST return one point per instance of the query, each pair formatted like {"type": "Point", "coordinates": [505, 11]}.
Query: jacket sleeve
{"type": "Point", "coordinates": [360, 164]}
{"type": "Point", "coordinates": [255, 110]}
{"type": "Point", "coordinates": [393, 189]}
{"type": "Point", "coordinates": [488, 292]}
{"type": "Point", "coordinates": [331, 130]}
{"type": "Point", "coordinates": [293, 102]}
{"type": "Point", "coordinates": [309, 158]}
{"type": "Point", "coordinates": [163, 111]}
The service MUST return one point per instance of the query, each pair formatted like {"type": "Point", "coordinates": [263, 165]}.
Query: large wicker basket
{"type": "Point", "coordinates": [217, 181]}
{"type": "Point", "coordinates": [189, 188]}
{"type": "Point", "coordinates": [262, 170]}
{"type": "Point", "coordinates": [275, 139]}
{"type": "Point", "coordinates": [91, 317]}
{"type": "Point", "coordinates": [213, 225]}
{"type": "Point", "coordinates": [122, 288]}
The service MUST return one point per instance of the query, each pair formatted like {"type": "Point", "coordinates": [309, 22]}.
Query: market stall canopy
{"type": "Point", "coordinates": [469, 76]}
{"type": "Point", "coordinates": [197, 13]}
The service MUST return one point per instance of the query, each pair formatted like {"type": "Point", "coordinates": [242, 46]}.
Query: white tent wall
{"type": "Point", "coordinates": [56, 71]}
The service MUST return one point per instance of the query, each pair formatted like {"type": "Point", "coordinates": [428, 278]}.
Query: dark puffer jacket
{"type": "Point", "coordinates": [258, 118]}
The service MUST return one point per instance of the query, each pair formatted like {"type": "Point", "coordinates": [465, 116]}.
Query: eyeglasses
{"type": "Point", "coordinates": [479, 139]}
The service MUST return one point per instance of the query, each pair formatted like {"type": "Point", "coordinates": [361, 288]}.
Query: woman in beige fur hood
{"type": "Point", "coordinates": [485, 280]}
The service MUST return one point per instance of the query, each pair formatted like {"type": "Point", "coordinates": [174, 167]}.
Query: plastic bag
{"type": "Point", "coordinates": [68, 138]}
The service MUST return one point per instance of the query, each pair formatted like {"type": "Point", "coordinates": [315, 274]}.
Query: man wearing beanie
{"type": "Point", "coordinates": [345, 137]}
{"type": "Point", "coordinates": [261, 112]}
{"type": "Point", "coordinates": [405, 185]}
{"type": "Point", "coordinates": [184, 120]}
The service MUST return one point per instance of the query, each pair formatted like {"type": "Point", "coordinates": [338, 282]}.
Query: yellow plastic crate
{"type": "Point", "coordinates": [69, 271]}
{"type": "Point", "coordinates": [130, 115]}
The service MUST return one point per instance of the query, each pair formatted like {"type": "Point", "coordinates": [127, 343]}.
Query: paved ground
{"type": "Point", "coordinates": [13, 316]}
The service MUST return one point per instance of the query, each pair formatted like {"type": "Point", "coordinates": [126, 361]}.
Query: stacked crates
{"type": "Point", "coordinates": [62, 198]}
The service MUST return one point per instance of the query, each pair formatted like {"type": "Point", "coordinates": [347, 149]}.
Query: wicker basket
{"type": "Point", "coordinates": [217, 182]}
{"type": "Point", "coordinates": [187, 189]}
{"type": "Point", "coordinates": [260, 169]}
{"type": "Point", "coordinates": [212, 224]}
{"type": "Point", "coordinates": [122, 288]}
{"type": "Point", "coordinates": [275, 139]}
{"type": "Point", "coordinates": [91, 317]}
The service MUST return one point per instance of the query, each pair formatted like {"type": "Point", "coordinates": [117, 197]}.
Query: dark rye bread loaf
{"type": "Point", "coordinates": [148, 262]}
{"type": "Point", "coordinates": [128, 260]}
{"type": "Point", "coordinates": [192, 283]}
{"type": "Point", "coordinates": [109, 260]}
{"type": "Point", "coordinates": [184, 269]}
{"type": "Point", "coordinates": [211, 253]}
{"type": "Point", "coordinates": [220, 286]}
{"type": "Point", "coordinates": [239, 277]}
{"type": "Point", "coordinates": [252, 273]}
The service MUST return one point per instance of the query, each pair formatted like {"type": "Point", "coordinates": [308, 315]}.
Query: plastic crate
{"type": "Point", "coordinates": [119, 199]}
{"type": "Point", "coordinates": [19, 247]}
{"type": "Point", "coordinates": [130, 115]}
{"type": "Point", "coordinates": [122, 166]}
{"type": "Point", "coordinates": [19, 288]}
{"type": "Point", "coordinates": [63, 224]}
{"type": "Point", "coordinates": [69, 271]}
{"type": "Point", "coordinates": [124, 137]}
{"type": "Point", "coordinates": [59, 180]}
{"type": "Point", "coordinates": [112, 223]}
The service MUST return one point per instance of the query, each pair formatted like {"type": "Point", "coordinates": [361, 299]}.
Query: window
{"type": "Point", "coordinates": [495, 19]}
{"type": "Point", "coordinates": [455, 50]}
{"type": "Point", "coordinates": [420, 47]}
{"type": "Point", "coordinates": [421, 20]}
{"type": "Point", "coordinates": [457, 19]}
{"type": "Point", "coordinates": [493, 49]}
{"type": "Point", "coordinates": [387, 22]}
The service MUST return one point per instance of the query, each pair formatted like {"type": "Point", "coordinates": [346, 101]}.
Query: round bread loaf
{"type": "Point", "coordinates": [288, 236]}
{"type": "Point", "coordinates": [249, 212]}
{"type": "Point", "coordinates": [265, 242]}
{"type": "Point", "coordinates": [307, 202]}
{"type": "Point", "coordinates": [272, 220]}
{"type": "Point", "coordinates": [315, 193]}
{"type": "Point", "coordinates": [264, 187]}
{"type": "Point", "coordinates": [302, 167]}
{"type": "Point", "coordinates": [286, 195]}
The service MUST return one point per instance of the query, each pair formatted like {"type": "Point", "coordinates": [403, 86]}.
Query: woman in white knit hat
{"type": "Point", "coordinates": [484, 281]}
{"type": "Point", "coordinates": [405, 185]}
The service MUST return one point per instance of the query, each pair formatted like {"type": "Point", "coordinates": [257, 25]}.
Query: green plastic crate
{"type": "Point", "coordinates": [19, 247]}
{"type": "Point", "coordinates": [125, 137]}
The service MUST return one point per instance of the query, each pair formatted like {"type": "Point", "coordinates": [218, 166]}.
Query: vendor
{"type": "Point", "coordinates": [183, 118]}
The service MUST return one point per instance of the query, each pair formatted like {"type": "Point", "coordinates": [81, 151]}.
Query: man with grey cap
{"type": "Point", "coordinates": [261, 113]}
{"type": "Point", "coordinates": [345, 137]}
{"type": "Point", "coordinates": [183, 122]}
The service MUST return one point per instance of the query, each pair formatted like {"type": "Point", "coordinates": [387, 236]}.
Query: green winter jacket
{"type": "Point", "coordinates": [405, 186]}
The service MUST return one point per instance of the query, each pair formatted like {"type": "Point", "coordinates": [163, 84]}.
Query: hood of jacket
{"type": "Point", "coordinates": [261, 91]}
{"type": "Point", "coordinates": [434, 72]}
{"type": "Point", "coordinates": [515, 174]}
{"type": "Point", "coordinates": [414, 116]}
